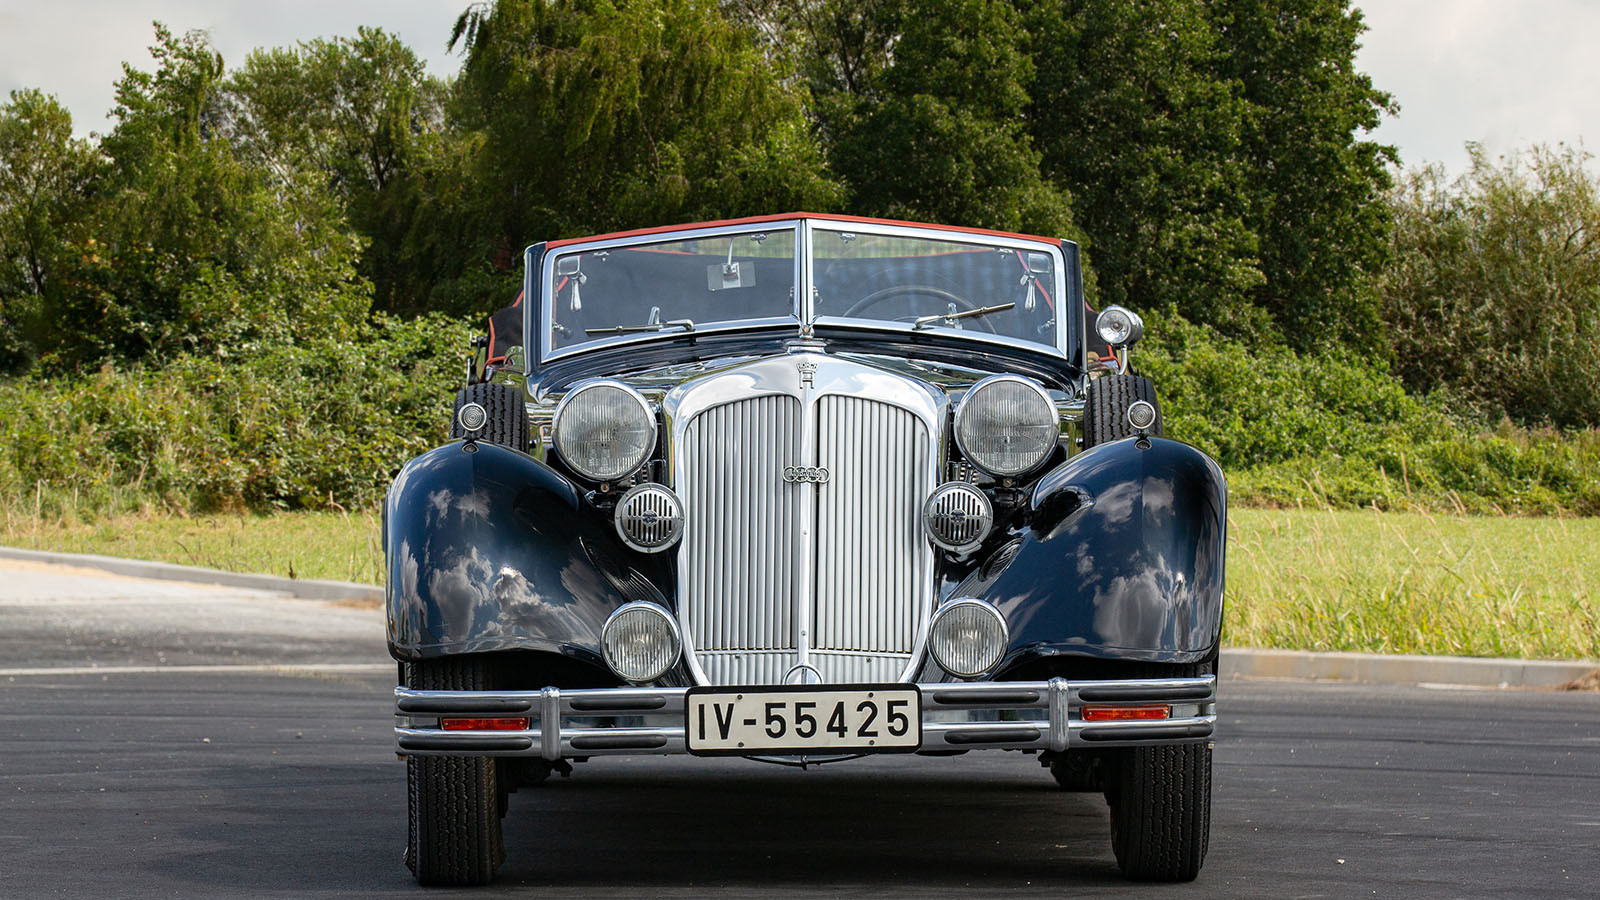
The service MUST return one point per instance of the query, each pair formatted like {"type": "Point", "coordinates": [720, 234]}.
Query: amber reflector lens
{"type": "Point", "coordinates": [484, 724]}
{"type": "Point", "coordinates": [1118, 713]}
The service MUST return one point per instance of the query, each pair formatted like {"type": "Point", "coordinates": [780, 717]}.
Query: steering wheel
{"type": "Point", "coordinates": [895, 292]}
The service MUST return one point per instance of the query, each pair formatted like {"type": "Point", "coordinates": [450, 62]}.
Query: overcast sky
{"type": "Point", "coordinates": [1505, 74]}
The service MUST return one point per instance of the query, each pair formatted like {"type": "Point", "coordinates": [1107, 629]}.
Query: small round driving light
{"type": "Point", "coordinates": [1119, 326]}
{"type": "Point", "coordinates": [604, 430]}
{"type": "Point", "coordinates": [471, 417]}
{"type": "Point", "coordinates": [1141, 415]}
{"type": "Point", "coordinates": [640, 642]}
{"type": "Point", "coordinates": [649, 518]}
{"type": "Point", "coordinates": [957, 516]}
{"type": "Point", "coordinates": [1006, 425]}
{"type": "Point", "coordinates": [967, 637]}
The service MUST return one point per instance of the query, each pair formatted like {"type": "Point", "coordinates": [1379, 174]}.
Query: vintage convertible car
{"type": "Point", "coordinates": [799, 489]}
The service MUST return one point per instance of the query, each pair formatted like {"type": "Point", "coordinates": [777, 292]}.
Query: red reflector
{"type": "Point", "coordinates": [484, 724]}
{"type": "Point", "coordinates": [1115, 713]}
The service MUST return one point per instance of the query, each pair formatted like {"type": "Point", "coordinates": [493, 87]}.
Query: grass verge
{"type": "Point", "coordinates": [1380, 582]}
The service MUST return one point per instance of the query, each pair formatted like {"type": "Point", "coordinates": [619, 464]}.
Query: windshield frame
{"type": "Point", "coordinates": [803, 318]}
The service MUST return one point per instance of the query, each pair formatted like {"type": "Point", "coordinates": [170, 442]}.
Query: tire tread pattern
{"type": "Point", "coordinates": [507, 423]}
{"type": "Point", "coordinates": [453, 802]}
{"type": "Point", "coordinates": [1160, 800]}
{"type": "Point", "coordinates": [1105, 407]}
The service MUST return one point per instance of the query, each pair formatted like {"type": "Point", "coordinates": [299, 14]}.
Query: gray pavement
{"type": "Point", "coordinates": [242, 780]}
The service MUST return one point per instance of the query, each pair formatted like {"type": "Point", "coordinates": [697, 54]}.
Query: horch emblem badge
{"type": "Point", "coordinates": [804, 474]}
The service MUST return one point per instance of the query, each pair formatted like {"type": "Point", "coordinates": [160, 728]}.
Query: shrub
{"type": "Point", "coordinates": [318, 424]}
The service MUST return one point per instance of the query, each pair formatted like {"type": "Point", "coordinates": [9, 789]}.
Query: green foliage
{"type": "Point", "coordinates": [599, 116]}
{"type": "Point", "coordinates": [43, 176]}
{"type": "Point", "coordinates": [922, 106]}
{"type": "Point", "coordinates": [1339, 430]}
{"type": "Point", "coordinates": [1133, 118]}
{"type": "Point", "coordinates": [295, 425]}
{"type": "Point", "coordinates": [1313, 186]}
{"type": "Point", "coordinates": [1494, 294]}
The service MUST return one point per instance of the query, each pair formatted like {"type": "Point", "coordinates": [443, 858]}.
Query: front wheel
{"type": "Point", "coordinates": [453, 803]}
{"type": "Point", "coordinates": [1160, 799]}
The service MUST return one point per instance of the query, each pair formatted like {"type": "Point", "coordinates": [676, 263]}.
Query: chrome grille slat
{"type": "Point", "coordinates": [738, 536]}
{"type": "Point", "coordinates": [859, 471]}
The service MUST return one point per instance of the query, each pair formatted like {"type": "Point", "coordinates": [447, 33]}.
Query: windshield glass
{"type": "Point", "coordinates": [971, 285]}
{"type": "Point", "coordinates": [677, 285]}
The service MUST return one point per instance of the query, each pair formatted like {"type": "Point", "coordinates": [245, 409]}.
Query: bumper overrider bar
{"type": "Point", "coordinates": [996, 715]}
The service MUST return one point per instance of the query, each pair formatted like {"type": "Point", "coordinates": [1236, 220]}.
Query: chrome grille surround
{"type": "Point", "coordinates": [774, 573]}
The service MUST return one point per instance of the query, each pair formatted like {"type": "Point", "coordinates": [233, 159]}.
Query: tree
{"type": "Point", "coordinates": [921, 107]}
{"type": "Point", "coordinates": [1494, 290]}
{"type": "Point", "coordinates": [598, 116]}
{"type": "Point", "coordinates": [362, 114]}
{"type": "Point", "coordinates": [1134, 119]}
{"type": "Point", "coordinates": [191, 246]}
{"type": "Point", "coordinates": [1315, 187]}
{"type": "Point", "coordinates": [43, 175]}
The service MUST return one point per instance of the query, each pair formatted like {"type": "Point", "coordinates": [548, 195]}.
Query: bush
{"type": "Point", "coordinates": [311, 425]}
{"type": "Point", "coordinates": [1339, 430]}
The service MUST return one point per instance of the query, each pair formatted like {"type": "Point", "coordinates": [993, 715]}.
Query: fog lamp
{"type": "Point", "coordinates": [640, 642]}
{"type": "Point", "coordinates": [968, 637]}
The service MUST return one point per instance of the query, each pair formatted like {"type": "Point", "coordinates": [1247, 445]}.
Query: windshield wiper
{"type": "Point", "coordinates": [685, 324]}
{"type": "Point", "coordinates": [950, 317]}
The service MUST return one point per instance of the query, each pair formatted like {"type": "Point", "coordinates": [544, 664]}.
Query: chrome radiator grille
{"type": "Point", "coordinates": [739, 538]}
{"type": "Point", "coordinates": [867, 528]}
{"type": "Point", "coordinates": [760, 593]}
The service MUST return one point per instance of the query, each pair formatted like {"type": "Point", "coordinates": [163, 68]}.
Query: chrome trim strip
{"type": "Point", "coordinates": [621, 721]}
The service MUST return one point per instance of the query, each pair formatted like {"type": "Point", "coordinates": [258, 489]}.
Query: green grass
{"type": "Point", "coordinates": [1387, 582]}
{"type": "Point", "coordinates": [328, 545]}
{"type": "Point", "coordinates": [1382, 582]}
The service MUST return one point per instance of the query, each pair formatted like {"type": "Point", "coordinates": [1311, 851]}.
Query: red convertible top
{"type": "Point", "coordinates": [786, 217]}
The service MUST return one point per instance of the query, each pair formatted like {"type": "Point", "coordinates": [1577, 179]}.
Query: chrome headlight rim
{"type": "Point", "coordinates": [967, 401]}
{"type": "Point", "coordinates": [672, 630]}
{"type": "Point", "coordinates": [951, 487]}
{"type": "Point", "coordinates": [999, 650]}
{"type": "Point", "coordinates": [570, 459]}
{"type": "Point", "coordinates": [1134, 330]}
{"type": "Point", "coordinates": [623, 504]}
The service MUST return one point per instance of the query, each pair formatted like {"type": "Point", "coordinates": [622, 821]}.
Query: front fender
{"type": "Point", "coordinates": [1119, 554]}
{"type": "Point", "coordinates": [488, 549]}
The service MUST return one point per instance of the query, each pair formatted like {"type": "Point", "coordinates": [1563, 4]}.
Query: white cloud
{"type": "Point", "coordinates": [75, 48]}
{"type": "Point", "coordinates": [1503, 74]}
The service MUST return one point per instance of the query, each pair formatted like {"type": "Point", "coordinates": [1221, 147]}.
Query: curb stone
{"type": "Point", "coordinates": [308, 588]}
{"type": "Point", "coordinates": [1236, 662]}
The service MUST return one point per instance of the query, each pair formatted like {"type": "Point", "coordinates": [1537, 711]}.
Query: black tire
{"type": "Point", "coordinates": [1160, 800]}
{"type": "Point", "coordinates": [507, 423]}
{"type": "Point", "coordinates": [1105, 407]}
{"type": "Point", "coordinates": [453, 803]}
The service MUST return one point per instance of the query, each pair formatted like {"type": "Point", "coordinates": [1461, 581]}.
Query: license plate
{"type": "Point", "coordinates": [740, 721]}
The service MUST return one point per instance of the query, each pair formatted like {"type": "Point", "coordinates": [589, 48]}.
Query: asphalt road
{"type": "Point", "coordinates": [151, 746]}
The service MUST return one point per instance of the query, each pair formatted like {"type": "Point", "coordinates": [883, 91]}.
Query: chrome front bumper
{"type": "Point", "coordinates": [995, 715]}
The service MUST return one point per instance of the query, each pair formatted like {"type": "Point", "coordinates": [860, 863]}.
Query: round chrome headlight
{"type": "Point", "coordinates": [968, 637]}
{"type": "Point", "coordinates": [957, 516]}
{"type": "Point", "coordinates": [1118, 326]}
{"type": "Point", "coordinates": [604, 430]}
{"type": "Point", "coordinates": [1006, 425]}
{"type": "Point", "coordinates": [640, 642]}
{"type": "Point", "coordinates": [649, 518]}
